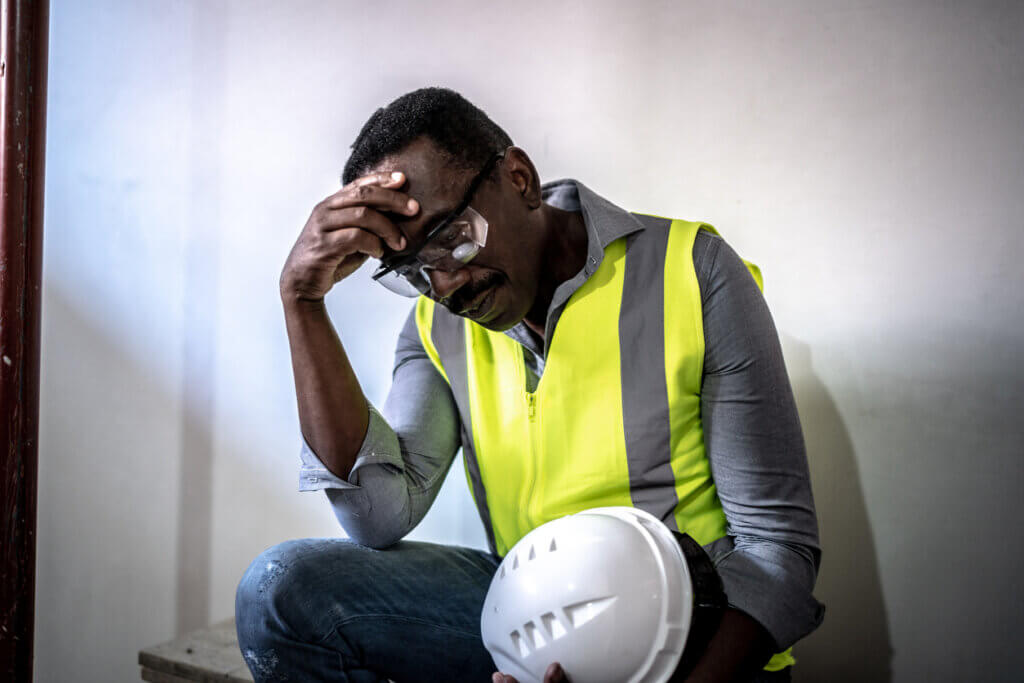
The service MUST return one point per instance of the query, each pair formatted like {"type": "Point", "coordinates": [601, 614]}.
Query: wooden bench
{"type": "Point", "coordinates": [210, 655]}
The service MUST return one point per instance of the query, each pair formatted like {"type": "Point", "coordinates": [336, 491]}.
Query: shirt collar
{"type": "Point", "coordinates": [605, 222]}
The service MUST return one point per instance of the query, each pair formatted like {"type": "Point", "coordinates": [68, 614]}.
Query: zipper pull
{"type": "Point", "coordinates": [531, 405]}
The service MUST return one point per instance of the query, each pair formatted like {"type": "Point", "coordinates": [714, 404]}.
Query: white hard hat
{"type": "Point", "coordinates": [606, 592]}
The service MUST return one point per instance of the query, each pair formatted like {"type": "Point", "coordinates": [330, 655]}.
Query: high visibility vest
{"type": "Point", "coordinates": [615, 418]}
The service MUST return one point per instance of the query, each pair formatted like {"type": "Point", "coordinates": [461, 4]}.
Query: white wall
{"type": "Point", "coordinates": [868, 157]}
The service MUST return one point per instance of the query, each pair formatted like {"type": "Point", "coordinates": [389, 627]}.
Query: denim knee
{"type": "Point", "coordinates": [300, 587]}
{"type": "Point", "coordinates": [260, 604]}
{"type": "Point", "coordinates": [289, 603]}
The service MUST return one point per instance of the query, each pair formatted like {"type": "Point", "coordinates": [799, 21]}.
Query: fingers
{"type": "Point", "coordinates": [362, 204]}
{"type": "Point", "coordinates": [555, 674]}
{"type": "Point", "coordinates": [355, 241]}
{"type": "Point", "coordinates": [367, 219]}
{"type": "Point", "coordinates": [384, 178]}
{"type": "Point", "coordinates": [343, 231]}
{"type": "Point", "coordinates": [377, 190]}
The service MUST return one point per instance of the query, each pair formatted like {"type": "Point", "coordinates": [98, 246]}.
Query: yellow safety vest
{"type": "Point", "coordinates": [615, 418]}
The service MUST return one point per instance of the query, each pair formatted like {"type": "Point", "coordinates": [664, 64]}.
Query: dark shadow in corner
{"type": "Point", "coordinates": [853, 643]}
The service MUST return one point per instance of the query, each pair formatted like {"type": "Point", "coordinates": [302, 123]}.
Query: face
{"type": "Point", "coordinates": [497, 288]}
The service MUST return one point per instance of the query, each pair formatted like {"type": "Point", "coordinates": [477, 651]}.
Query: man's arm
{"type": "Point", "coordinates": [349, 450]}
{"type": "Point", "coordinates": [342, 232]}
{"type": "Point", "coordinates": [404, 458]}
{"type": "Point", "coordinates": [333, 412]}
{"type": "Point", "coordinates": [769, 560]}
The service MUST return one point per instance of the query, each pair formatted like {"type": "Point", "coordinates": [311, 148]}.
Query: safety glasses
{"type": "Point", "coordinates": [448, 246]}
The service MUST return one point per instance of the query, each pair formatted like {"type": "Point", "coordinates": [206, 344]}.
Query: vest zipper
{"type": "Point", "coordinates": [531, 480]}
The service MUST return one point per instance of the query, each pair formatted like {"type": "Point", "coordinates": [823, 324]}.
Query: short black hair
{"type": "Point", "coordinates": [460, 129]}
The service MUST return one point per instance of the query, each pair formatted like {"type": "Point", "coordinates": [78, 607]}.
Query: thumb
{"type": "Point", "coordinates": [555, 674]}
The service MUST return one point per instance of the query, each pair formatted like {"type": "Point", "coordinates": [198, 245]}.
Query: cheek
{"type": "Point", "coordinates": [516, 298]}
{"type": "Point", "coordinates": [515, 267]}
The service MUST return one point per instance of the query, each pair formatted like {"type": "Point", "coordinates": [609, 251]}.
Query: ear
{"type": "Point", "coordinates": [520, 169]}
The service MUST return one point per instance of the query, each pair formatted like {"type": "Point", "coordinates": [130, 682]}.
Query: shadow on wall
{"type": "Point", "coordinates": [853, 643]}
{"type": "Point", "coordinates": [125, 514]}
{"type": "Point", "coordinates": [109, 488]}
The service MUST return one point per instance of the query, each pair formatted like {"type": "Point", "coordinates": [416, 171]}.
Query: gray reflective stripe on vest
{"type": "Point", "coordinates": [448, 332]}
{"type": "Point", "coordinates": [645, 414]}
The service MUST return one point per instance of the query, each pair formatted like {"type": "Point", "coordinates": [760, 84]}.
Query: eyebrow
{"type": "Point", "coordinates": [433, 218]}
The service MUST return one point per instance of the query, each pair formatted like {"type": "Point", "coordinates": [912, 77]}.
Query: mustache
{"type": "Point", "coordinates": [459, 298]}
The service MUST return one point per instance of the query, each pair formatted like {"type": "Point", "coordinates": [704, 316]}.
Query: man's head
{"type": "Point", "coordinates": [441, 142]}
{"type": "Point", "coordinates": [465, 135]}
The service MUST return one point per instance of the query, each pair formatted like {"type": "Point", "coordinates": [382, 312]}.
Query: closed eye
{"type": "Point", "coordinates": [450, 234]}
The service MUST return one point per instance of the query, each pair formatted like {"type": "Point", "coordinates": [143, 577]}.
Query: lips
{"type": "Point", "coordinates": [478, 304]}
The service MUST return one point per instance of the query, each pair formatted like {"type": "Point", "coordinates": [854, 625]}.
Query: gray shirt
{"type": "Point", "coordinates": [769, 559]}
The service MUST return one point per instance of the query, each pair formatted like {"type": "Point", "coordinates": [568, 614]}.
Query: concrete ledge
{"type": "Point", "coordinates": [209, 655]}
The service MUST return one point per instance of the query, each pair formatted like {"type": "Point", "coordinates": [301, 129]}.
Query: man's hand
{"type": "Point", "coordinates": [343, 231]}
{"type": "Point", "coordinates": [554, 674]}
{"type": "Point", "coordinates": [739, 649]}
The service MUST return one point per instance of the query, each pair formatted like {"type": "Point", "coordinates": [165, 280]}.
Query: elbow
{"type": "Point", "coordinates": [376, 530]}
{"type": "Point", "coordinates": [773, 582]}
{"type": "Point", "coordinates": [378, 539]}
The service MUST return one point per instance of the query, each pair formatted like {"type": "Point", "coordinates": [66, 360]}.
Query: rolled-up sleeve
{"type": "Point", "coordinates": [769, 560]}
{"type": "Point", "coordinates": [406, 453]}
{"type": "Point", "coordinates": [380, 447]}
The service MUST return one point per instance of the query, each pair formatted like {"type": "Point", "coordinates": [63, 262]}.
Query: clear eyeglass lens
{"type": "Point", "coordinates": [411, 285]}
{"type": "Point", "coordinates": [457, 245]}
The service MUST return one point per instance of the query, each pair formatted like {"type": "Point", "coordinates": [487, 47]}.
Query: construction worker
{"type": "Point", "coordinates": [580, 356]}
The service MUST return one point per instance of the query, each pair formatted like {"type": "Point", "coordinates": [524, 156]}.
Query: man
{"type": "Point", "coordinates": [580, 355]}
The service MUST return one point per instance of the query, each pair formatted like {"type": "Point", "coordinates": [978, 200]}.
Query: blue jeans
{"type": "Point", "coordinates": [332, 610]}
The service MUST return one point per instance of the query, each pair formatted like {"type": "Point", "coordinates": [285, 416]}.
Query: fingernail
{"type": "Point", "coordinates": [413, 205]}
{"type": "Point", "coordinates": [401, 242]}
{"type": "Point", "coordinates": [396, 175]}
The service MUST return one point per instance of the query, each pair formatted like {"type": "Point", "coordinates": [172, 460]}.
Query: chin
{"type": "Point", "coordinates": [503, 320]}
{"type": "Point", "coordinates": [498, 324]}
{"type": "Point", "coordinates": [505, 313]}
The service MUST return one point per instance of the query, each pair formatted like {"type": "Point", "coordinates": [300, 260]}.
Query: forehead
{"type": "Point", "coordinates": [430, 179]}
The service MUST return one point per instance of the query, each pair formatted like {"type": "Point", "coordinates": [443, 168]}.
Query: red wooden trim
{"type": "Point", "coordinates": [23, 57]}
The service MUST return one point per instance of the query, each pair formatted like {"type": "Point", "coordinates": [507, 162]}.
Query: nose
{"type": "Point", "coordinates": [444, 284]}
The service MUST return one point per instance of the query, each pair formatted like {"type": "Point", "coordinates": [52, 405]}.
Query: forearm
{"type": "Point", "coordinates": [403, 457]}
{"type": "Point", "coordinates": [333, 413]}
{"type": "Point", "coordinates": [738, 650]}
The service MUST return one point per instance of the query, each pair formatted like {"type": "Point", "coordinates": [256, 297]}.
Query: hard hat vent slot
{"type": "Point", "coordinates": [534, 635]}
{"type": "Point", "coordinates": [519, 644]}
{"type": "Point", "coordinates": [552, 625]}
{"type": "Point", "coordinates": [616, 604]}
{"type": "Point", "coordinates": [581, 612]}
